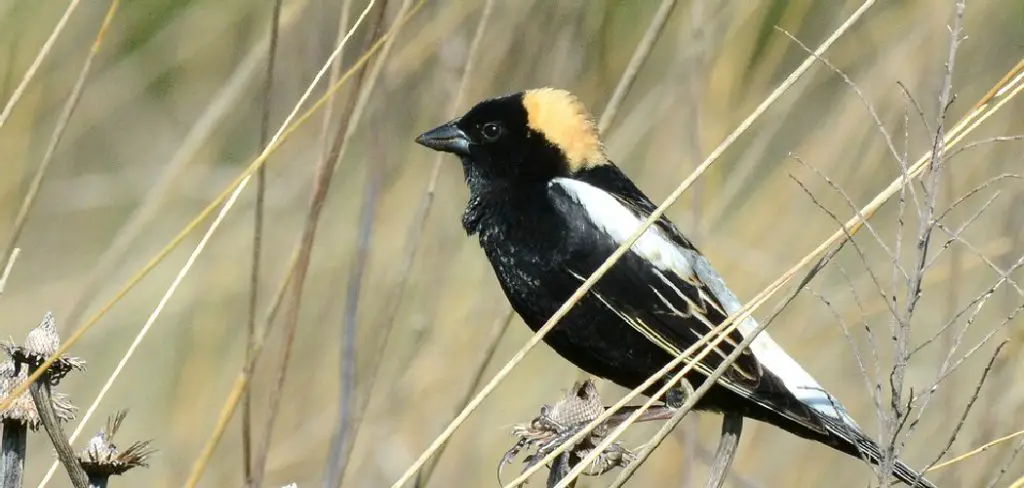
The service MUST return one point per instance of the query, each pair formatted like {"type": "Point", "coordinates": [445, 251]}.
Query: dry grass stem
{"type": "Point", "coordinates": [8, 267]}
{"type": "Point", "coordinates": [321, 185]}
{"type": "Point", "coordinates": [44, 51]}
{"type": "Point", "coordinates": [228, 196]}
{"type": "Point", "coordinates": [501, 326]}
{"type": "Point", "coordinates": [58, 133]}
{"type": "Point", "coordinates": [415, 232]}
{"type": "Point", "coordinates": [191, 144]}
{"type": "Point", "coordinates": [257, 240]}
{"type": "Point", "coordinates": [242, 380]}
{"type": "Point", "coordinates": [640, 55]}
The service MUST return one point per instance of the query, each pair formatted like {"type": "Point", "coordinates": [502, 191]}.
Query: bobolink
{"type": "Point", "coordinates": [549, 207]}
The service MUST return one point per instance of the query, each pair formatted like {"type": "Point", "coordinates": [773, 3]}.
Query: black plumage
{"type": "Point", "coordinates": [548, 209]}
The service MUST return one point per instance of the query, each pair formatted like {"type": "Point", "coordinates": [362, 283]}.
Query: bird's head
{"type": "Point", "coordinates": [526, 137]}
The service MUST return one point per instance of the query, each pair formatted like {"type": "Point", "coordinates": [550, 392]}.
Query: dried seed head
{"type": "Point", "coordinates": [41, 343]}
{"type": "Point", "coordinates": [23, 409]}
{"type": "Point", "coordinates": [101, 457]}
{"type": "Point", "coordinates": [581, 404]}
{"type": "Point", "coordinates": [43, 340]}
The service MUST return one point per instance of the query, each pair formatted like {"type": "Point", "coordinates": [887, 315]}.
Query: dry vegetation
{"type": "Point", "coordinates": [400, 318]}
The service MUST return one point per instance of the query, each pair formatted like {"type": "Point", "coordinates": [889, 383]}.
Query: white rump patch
{"type": "Point", "coordinates": [770, 354]}
{"type": "Point", "coordinates": [619, 222]}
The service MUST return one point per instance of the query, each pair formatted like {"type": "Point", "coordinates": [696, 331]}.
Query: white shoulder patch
{"type": "Point", "coordinates": [619, 222]}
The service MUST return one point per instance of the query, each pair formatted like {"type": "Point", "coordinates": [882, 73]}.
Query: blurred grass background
{"type": "Point", "coordinates": [173, 101]}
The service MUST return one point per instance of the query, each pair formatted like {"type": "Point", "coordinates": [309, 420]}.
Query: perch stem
{"type": "Point", "coordinates": [99, 481]}
{"type": "Point", "coordinates": [40, 391]}
{"type": "Point", "coordinates": [732, 427]}
{"type": "Point", "coordinates": [15, 440]}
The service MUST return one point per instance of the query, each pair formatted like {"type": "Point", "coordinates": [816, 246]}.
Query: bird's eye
{"type": "Point", "coordinates": [491, 131]}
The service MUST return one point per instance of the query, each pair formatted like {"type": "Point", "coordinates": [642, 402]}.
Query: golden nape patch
{"type": "Point", "coordinates": [565, 122]}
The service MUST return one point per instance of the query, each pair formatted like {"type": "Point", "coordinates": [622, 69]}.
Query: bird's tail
{"type": "Point", "coordinates": [907, 475]}
{"type": "Point", "coordinates": [852, 441]}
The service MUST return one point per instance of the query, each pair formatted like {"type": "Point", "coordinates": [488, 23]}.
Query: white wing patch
{"type": "Point", "coordinates": [620, 223]}
{"type": "Point", "coordinates": [770, 354]}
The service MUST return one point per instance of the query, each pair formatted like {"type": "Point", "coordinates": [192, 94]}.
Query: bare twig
{"type": "Point", "coordinates": [856, 89]}
{"type": "Point", "coordinates": [983, 142]}
{"type": "Point", "coordinates": [948, 368]}
{"type": "Point", "coordinates": [967, 408]}
{"type": "Point", "coordinates": [892, 441]}
{"type": "Point", "coordinates": [956, 235]}
{"type": "Point", "coordinates": [881, 129]}
{"type": "Point", "coordinates": [977, 300]}
{"type": "Point", "coordinates": [973, 191]}
{"type": "Point", "coordinates": [1005, 465]}
{"type": "Point", "coordinates": [860, 253]}
{"type": "Point", "coordinates": [978, 450]}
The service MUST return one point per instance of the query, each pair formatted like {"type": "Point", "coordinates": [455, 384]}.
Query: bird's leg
{"type": "Point", "coordinates": [675, 398]}
{"type": "Point", "coordinates": [560, 468]}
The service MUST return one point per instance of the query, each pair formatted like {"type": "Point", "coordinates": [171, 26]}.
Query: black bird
{"type": "Point", "coordinates": [549, 207]}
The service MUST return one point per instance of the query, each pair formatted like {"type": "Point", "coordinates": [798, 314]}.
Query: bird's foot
{"type": "Point", "coordinates": [560, 422]}
{"type": "Point", "coordinates": [675, 397]}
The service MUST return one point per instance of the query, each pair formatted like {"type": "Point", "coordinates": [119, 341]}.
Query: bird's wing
{"type": "Point", "coordinates": [658, 286]}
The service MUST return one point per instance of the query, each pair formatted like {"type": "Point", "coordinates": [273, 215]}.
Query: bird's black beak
{"type": "Point", "coordinates": [447, 138]}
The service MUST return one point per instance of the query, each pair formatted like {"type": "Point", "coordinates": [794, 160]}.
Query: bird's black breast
{"type": "Point", "coordinates": [539, 244]}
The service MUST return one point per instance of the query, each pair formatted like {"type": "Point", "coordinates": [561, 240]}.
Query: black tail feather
{"type": "Point", "coordinates": [844, 438]}
{"type": "Point", "coordinates": [847, 439]}
{"type": "Point", "coordinates": [831, 431]}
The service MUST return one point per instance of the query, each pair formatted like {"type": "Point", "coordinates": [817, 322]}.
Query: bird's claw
{"type": "Point", "coordinates": [675, 397]}
{"type": "Point", "coordinates": [557, 424]}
